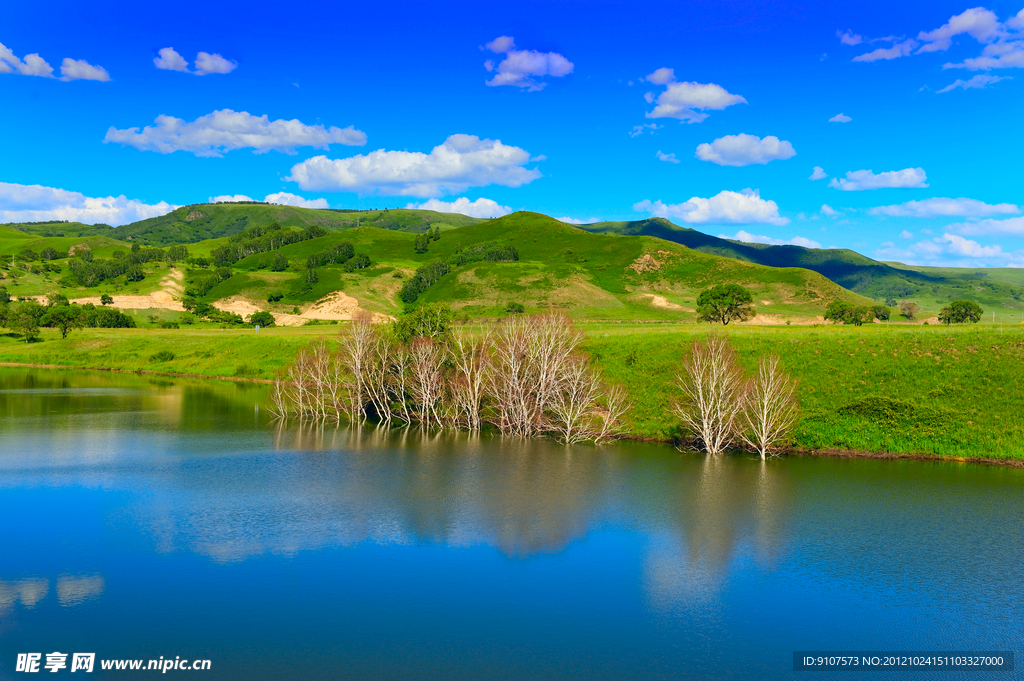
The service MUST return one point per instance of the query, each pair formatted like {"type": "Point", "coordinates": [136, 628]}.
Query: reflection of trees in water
{"type": "Point", "coordinates": [331, 486]}
{"type": "Point", "coordinates": [726, 510]}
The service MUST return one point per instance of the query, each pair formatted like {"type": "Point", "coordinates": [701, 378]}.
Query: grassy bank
{"type": "Point", "coordinates": [953, 392]}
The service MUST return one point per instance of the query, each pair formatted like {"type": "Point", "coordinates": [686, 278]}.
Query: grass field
{"type": "Point", "coordinates": [950, 392]}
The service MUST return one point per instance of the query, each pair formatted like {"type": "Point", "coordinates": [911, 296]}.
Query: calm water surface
{"type": "Point", "coordinates": [141, 519]}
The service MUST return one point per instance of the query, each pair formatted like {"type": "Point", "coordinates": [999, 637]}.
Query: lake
{"type": "Point", "coordinates": [144, 518]}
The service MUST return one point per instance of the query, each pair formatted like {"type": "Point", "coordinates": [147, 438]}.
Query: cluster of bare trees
{"type": "Point", "coordinates": [526, 377]}
{"type": "Point", "coordinates": [723, 408]}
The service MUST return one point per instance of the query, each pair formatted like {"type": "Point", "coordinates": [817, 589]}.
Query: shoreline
{"type": "Point", "coordinates": [832, 453]}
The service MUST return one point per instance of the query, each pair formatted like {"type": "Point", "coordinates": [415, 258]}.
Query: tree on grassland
{"type": "Point", "coordinates": [63, 317]}
{"type": "Point", "coordinates": [908, 309]}
{"type": "Point", "coordinates": [961, 312]}
{"type": "Point", "coordinates": [261, 319]}
{"type": "Point", "coordinates": [725, 303]}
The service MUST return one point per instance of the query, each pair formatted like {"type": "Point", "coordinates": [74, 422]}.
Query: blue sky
{"type": "Point", "coordinates": [713, 114]}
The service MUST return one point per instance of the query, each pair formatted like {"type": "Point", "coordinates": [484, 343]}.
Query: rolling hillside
{"type": "Point", "coordinates": [559, 267]}
{"type": "Point", "coordinates": [191, 224]}
{"type": "Point", "coordinates": [930, 287]}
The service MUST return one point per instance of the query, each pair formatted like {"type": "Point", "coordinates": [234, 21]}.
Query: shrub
{"type": "Point", "coordinates": [515, 308]}
{"type": "Point", "coordinates": [422, 243]}
{"type": "Point", "coordinates": [279, 263]}
{"type": "Point", "coordinates": [422, 280]}
{"type": "Point", "coordinates": [135, 273]}
{"type": "Point", "coordinates": [274, 297]}
{"type": "Point", "coordinates": [261, 319]}
{"type": "Point", "coordinates": [429, 321]}
{"type": "Point", "coordinates": [106, 300]}
{"type": "Point", "coordinates": [358, 262]}
{"type": "Point", "coordinates": [162, 356]}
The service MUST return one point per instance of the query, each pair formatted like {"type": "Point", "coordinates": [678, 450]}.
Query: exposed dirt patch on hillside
{"type": "Point", "coordinates": [171, 285]}
{"type": "Point", "coordinates": [777, 319]}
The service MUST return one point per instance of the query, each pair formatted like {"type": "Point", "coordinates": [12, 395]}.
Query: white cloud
{"type": "Point", "coordinates": [944, 207]}
{"type": "Point", "coordinates": [574, 221]}
{"type": "Point", "coordinates": [953, 250]}
{"type": "Point", "coordinates": [1002, 55]}
{"type": "Point", "coordinates": [745, 150]}
{"type": "Point", "coordinates": [286, 199]}
{"type": "Point", "coordinates": [641, 129]}
{"type": "Point", "coordinates": [213, 63]}
{"type": "Point", "coordinates": [33, 64]}
{"type": "Point", "coordinates": [960, 246]}
{"type": "Point", "coordinates": [849, 38]}
{"type": "Point", "coordinates": [818, 174]}
{"type": "Point", "coordinates": [980, 23]}
{"type": "Point", "coordinates": [859, 180]}
{"type": "Point", "coordinates": [726, 207]}
{"type": "Point", "coordinates": [228, 198]}
{"type": "Point", "coordinates": [668, 158]}
{"type": "Point", "coordinates": [828, 210]}
{"type": "Point", "coordinates": [481, 208]}
{"type": "Point", "coordinates": [686, 101]}
{"type": "Point", "coordinates": [749, 238]}
{"type": "Point", "coordinates": [979, 82]}
{"type": "Point", "coordinates": [902, 49]}
{"type": "Point", "coordinates": [1010, 226]}
{"type": "Point", "coordinates": [840, 118]}
{"type": "Point", "coordinates": [36, 203]}
{"type": "Point", "coordinates": [80, 69]}
{"type": "Point", "coordinates": [1003, 49]}
{"type": "Point", "coordinates": [169, 60]}
{"type": "Point", "coordinates": [1017, 22]}
{"type": "Point", "coordinates": [463, 161]}
{"type": "Point", "coordinates": [906, 235]}
{"type": "Point", "coordinates": [521, 68]}
{"type": "Point", "coordinates": [225, 130]}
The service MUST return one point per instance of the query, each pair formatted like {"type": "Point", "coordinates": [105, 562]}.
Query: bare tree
{"type": "Point", "coordinates": [616, 405]}
{"type": "Point", "coordinates": [712, 389]}
{"type": "Point", "coordinates": [356, 347]}
{"type": "Point", "coordinates": [427, 384]}
{"type": "Point", "coordinates": [572, 403]}
{"type": "Point", "coordinates": [472, 363]}
{"type": "Point", "coordinates": [770, 408]}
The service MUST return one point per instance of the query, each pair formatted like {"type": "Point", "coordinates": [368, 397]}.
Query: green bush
{"type": "Point", "coordinates": [261, 319]}
{"type": "Point", "coordinates": [162, 356]}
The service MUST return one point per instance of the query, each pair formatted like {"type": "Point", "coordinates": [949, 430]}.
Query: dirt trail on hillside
{"type": "Point", "coordinates": [662, 302]}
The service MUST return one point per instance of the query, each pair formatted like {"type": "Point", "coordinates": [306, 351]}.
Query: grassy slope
{"type": "Point", "coordinates": [931, 288]}
{"type": "Point", "coordinates": [964, 384]}
{"type": "Point", "coordinates": [191, 224]}
{"type": "Point", "coordinates": [560, 267]}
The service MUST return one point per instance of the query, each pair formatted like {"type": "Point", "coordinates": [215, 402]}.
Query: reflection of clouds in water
{"type": "Point", "coordinates": [28, 591]}
{"type": "Point", "coordinates": [72, 591]}
{"type": "Point", "coordinates": [732, 511]}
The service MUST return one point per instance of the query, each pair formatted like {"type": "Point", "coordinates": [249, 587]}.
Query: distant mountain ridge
{"type": "Point", "coordinates": [851, 270]}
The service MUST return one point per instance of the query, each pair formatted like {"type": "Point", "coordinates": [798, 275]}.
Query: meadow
{"type": "Point", "coordinates": [886, 389]}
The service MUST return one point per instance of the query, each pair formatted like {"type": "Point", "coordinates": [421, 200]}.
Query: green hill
{"type": "Point", "coordinates": [929, 287]}
{"type": "Point", "coordinates": [195, 223]}
{"type": "Point", "coordinates": [558, 267]}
